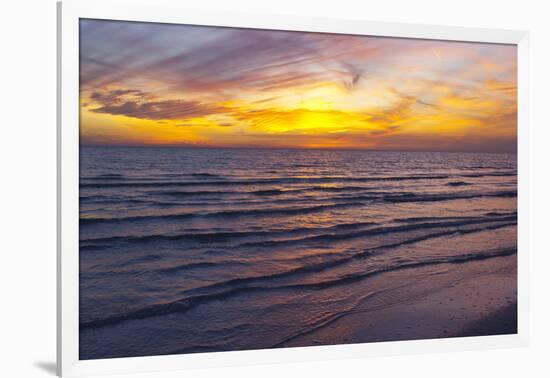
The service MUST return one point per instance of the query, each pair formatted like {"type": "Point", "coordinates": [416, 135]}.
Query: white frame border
{"type": "Point", "coordinates": [169, 11]}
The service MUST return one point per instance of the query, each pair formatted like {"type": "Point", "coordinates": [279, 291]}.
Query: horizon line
{"type": "Point", "coordinates": [289, 148]}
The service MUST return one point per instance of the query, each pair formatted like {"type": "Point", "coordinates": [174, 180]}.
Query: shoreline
{"type": "Point", "coordinates": [477, 298]}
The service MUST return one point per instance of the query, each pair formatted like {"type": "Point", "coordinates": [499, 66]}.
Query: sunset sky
{"type": "Point", "coordinates": [176, 85]}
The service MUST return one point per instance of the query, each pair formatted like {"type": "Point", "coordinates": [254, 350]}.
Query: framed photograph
{"type": "Point", "coordinates": [239, 188]}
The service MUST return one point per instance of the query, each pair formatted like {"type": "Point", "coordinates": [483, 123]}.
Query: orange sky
{"type": "Point", "coordinates": [177, 85]}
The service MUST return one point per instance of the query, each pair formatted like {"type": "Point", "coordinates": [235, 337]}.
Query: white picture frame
{"type": "Point", "coordinates": [169, 11]}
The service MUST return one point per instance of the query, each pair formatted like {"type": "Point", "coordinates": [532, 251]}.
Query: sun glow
{"type": "Point", "coordinates": [302, 90]}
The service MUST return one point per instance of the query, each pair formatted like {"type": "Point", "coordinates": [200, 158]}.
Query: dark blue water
{"type": "Point", "coordinates": [198, 250]}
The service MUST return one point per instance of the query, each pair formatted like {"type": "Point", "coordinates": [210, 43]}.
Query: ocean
{"type": "Point", "coordinates": [188, 250]}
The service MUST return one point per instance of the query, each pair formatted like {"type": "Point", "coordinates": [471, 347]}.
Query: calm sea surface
{"type": "Point", "coordinates": [197, 250]}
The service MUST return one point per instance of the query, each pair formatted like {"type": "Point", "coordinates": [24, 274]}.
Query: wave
{"type": "Point", "coordinates": [413, 197]}
{"type": "Point", "coordinates": [117, 176]}
{"type": "Point", "coordinates": [268, 192]}
{"type": "Point", "coordinates": [310, 268]}
{"type": "Point", "coordinates": [489, 174]}
{"type": "Point", "coordinates": [391, 198]}
{"type": "Point", "coordinates": [262, 192]}
{"type": "Point", "coordinates": [223, 236]}
{"type": "Point", "coordinates": [166, 270]}
{"type": "Point", "coordinates": [494, 167]}
{"type": "Point", "coordinates": [456, 218]}
{"type": "Point", "coordinates": [105, 176]}
{"type": "Point", "coordinates": [226, 213]}
{"type": "Point", "coordinates": [221, 181]}
{"type": "Point", "coordinates": [379, 231]}
{"type": "Point", "coordinates": [193, 193]}
{"type": "Point", "coordinates": [458, 183]}
{"type": "Point", "coordinates": [204, 174]}
{"type": "Point", "coordinates": [96, 198]}
{"type": "Point", "coordinates": [280, 180]}
{"type": "Point", "coordinates": [192, 301]}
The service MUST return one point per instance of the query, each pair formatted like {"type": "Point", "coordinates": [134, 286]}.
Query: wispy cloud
{"type": "Point", "coordinates": [159, 110]}
{"type": "Point", "coordinates": [184, 84]}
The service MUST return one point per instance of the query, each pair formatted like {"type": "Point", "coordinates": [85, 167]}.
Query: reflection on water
{"type": "Point", "coordinates": [191, 250]}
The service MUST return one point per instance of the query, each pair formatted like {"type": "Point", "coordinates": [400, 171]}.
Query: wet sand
{"type": "Point", "coordinates": [471, 299]}
{"type": "Point", "coordinates": [501, 322]}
